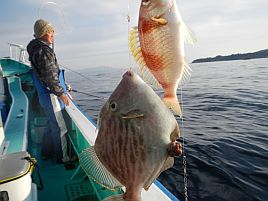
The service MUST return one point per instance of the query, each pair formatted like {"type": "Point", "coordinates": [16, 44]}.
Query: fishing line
{"type": "Point", "coordinates": [184, 155]}
{"type": "Point", "coordinates": [128, 34]}
{"type": "Point", "coordinates": [53, 13]}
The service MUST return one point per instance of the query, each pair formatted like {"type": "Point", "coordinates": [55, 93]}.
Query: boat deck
{"type": "Point", "coordinates": [11, 68]}
{"type": "Point", "coordinates": [24, 127]}
{"type": "Point", "coordinates": [16, 127]}
{"type": "Point", "coordinates": [56, 178]}
{"type": "Point", "coordinates": [64, 182]}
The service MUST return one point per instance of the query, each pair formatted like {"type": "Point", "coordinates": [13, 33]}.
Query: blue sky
{"type": "Point", "coordinates": [95, 33]}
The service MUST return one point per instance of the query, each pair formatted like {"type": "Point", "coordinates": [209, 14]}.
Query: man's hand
{"type": "Point", "coordinates": [69, 88]}
{"type": "Point", "coordinates": [65, 99]}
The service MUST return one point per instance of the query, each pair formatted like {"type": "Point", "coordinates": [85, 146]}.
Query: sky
{"type": "Point", "coordinates": [94, 33]}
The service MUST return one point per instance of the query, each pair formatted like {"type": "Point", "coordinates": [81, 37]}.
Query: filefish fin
{"type": "Point", "coordinates": [167, 164]}
{"type": "Point", "coordinates": [133, 115]}
{"type": "Point", "coordinates": [115, 198]}
{"type": "Point", "coordinates": [186, 75]}
{"type": "Point", "coordinates": [98, 122]}
{"type": "Point", "coordinates": [160, 21]}
{"type": "Point", "coordinates": [95, 170]}
{"type": "Point", "coordinates": [134, 45]}
{"type": "Point", "coordinates": [173, 103]}
{"type": "Point", "coordinates": [175, 133]}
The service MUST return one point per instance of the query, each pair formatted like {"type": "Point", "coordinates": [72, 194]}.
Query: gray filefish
{"type": "Point", "coordinates": [136, 139]}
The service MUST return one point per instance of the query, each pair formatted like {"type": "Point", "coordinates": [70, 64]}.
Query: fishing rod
{"type": "Point", "coordinates": [89, 94]}
{"type": "Point", "coordinates": [80, 74]}
{"type": "Point", "coordinates": [62, 24]}
{"type": "Point", "coordinates": [88, 79]}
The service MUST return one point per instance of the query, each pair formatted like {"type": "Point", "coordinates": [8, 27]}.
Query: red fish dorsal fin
{"type": "Point", "coordinates": [134, 45]}
{"type": "Point", "coordinates": [95, 170]}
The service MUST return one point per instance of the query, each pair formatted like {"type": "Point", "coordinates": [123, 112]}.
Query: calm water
{"type": "Point", "coordinates": [225, 128]}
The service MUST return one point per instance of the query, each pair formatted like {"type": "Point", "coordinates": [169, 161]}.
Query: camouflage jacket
{"type": "Point", "coordinates": [45, 65]}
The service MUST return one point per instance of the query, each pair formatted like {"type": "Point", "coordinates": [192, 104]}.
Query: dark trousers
{"type": "Point", "coordinates": [51, 138]}
{"type": "Point", "coordinates": [51, 142]}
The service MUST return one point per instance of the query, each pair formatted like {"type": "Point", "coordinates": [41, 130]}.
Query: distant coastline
{"type": "Point", "coordinates": [245, 56]}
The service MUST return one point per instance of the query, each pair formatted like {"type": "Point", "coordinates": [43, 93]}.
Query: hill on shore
{"type": "Point", "coordinates": [244, 56]}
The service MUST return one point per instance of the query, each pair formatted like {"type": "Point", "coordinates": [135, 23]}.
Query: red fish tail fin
{"type": "Point", "coordinates": [173, 103]}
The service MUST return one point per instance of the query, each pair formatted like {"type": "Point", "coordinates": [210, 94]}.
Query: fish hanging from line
{"type": "Point", "coordinates": [136, 140]}
{"type": "Point", "coordinates": [157, 45]}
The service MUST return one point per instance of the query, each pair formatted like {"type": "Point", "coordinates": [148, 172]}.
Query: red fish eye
{"type": "Point", "coordinates": [145, 2]}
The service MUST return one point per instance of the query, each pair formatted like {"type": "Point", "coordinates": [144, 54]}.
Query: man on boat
{"type": "Point", "coordinates": [50, 90]}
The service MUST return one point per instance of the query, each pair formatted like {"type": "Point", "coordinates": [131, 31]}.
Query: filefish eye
{"type": "Point", "coordinates": [113, 106]}
{"type": "Point", "coordinates": [146, 2]}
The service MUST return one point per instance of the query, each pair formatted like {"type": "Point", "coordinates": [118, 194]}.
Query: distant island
{"type": "Point", "coordinates": [245, 56]}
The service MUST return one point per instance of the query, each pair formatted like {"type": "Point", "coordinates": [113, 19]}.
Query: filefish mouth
{"type": "Point", "coordinates": [129, 73]}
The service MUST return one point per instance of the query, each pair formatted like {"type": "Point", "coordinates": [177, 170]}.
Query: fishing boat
{"type": "Point", "coordinates": [24, 175]}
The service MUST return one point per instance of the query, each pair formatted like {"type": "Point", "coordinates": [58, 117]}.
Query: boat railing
{"type": "Point", "coordinates": [17, 52]}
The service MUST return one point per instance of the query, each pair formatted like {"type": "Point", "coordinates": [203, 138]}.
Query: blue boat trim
{"type": "Point", "coordinates": [166, 191]}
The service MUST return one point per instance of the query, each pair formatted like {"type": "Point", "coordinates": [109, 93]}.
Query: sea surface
{"type": "Point", "coordinates": [224, 128]}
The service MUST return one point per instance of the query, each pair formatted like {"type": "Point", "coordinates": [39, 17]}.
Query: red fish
{"type": "Point", "coordinates": [157, 45]}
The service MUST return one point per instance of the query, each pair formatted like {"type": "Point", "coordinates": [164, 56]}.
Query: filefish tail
{"type": "Point", "coordinates": [115, 198]}
{"type": "Point", "coordinates": [173, 103]}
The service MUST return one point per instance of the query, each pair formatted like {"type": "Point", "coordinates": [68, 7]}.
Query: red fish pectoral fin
{"type": "Point", "coordinates": [160, 21]}
{"type": "Point", "coordinates": [173, 103]}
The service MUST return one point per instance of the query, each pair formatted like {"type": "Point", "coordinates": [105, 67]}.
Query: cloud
{"type": "Point", "coordinates": [95, 32]}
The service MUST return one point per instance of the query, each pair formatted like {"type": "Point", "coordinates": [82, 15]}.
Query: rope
{"type": "Point", "coordinates": [34, 164]}
{"type": "Point", "coordinates": [184, 155]}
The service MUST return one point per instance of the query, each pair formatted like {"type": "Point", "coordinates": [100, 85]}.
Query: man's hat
{"type": "Point", "coordinates": [41, 27]}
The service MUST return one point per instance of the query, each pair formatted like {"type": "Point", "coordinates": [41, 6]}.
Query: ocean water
{"type": "Point", "coordinates": [225, 127]}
